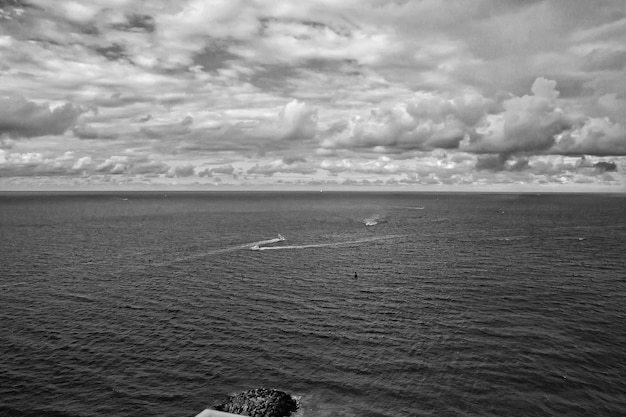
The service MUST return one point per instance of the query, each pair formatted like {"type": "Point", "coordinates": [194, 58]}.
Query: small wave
{"type": "Point", "coordinates": [78, 297]}
{"type": "Point", "coordinates": [33, 412]}
{"type": "Point", "coordinates": [132, 307]}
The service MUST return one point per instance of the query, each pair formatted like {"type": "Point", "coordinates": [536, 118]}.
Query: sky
{"type": "Point", "coordinates": [313, 94]}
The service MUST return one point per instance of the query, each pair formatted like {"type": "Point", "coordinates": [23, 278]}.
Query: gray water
{"type": "Point", "coordinates": [463, 305]}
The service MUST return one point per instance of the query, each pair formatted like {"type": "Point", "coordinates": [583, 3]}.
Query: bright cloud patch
{"type": "Point", "coordinates": [528, 124]}
{"type": "Point", "coordinates": [426, 123]}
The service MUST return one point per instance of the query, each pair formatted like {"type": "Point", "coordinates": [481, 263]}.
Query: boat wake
{"type": "Point", "coordinates": [250, 245]}
{"type": "Point", "coordinates": [331, 244]}
{"type": "Point", "coordinates": [261, 245]}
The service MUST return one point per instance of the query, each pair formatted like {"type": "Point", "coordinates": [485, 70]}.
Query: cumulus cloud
{"type": "Point", "coordinates": [528, 124]}
{"type": "Point", "coordinates": [415, 91]}
{"type": "Point", "coordinates": [20, 118]}
{"type": "Point", "coordinates": [30, 164]}
{"type": "Point", "coordinates": [205, 173]}
{"type": "Point", "coordinates": [280, 166]}
{"type": "Point", "coordinates": [122, 164]}
{"type": "Point", "coordinates": [114, 165]}
{"type": "Point", "coordinates": [501, 162]}
{"type": "Point", "coordinates": [224, 169]}
{"type": "Point", "coordinates": [614, 107]}
{"type": "Point", "coordinates": [266, 170]}
{"type": "Point", "coordinates": [295, 122]}
{"type": "Point", "coordinates": [182, 171]}
{"type": "Point", "coordinates": [298, 121]}
{"type": "Point", "coordinates": [83, 163]}
{"type": "Point", "coordinates": [381, 166]}
{"type": "Point", "coordinates": [598, 136]}
{"type": "Point", "coordinates": [492, 162]}
{"type": "Point", "coordinates": [292, 125]}
{"type": "Point", "coordinates": [425, 123]}
{"type": "Point", "coordinates": [336, 166]}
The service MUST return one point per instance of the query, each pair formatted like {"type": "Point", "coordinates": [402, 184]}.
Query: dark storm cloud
{"type": "Point", "coordinates": [20, 118]}
{"type": "Point", "coordinates": [502, 162]}
{"type": "Point", "coordinates": [289, 160]}
{"type": "Point", "coordinates": [182, 171]}
{"type": "Point", "coordinates": [113, 52]}
{"type": "Point", "coordinates": [603, 167]}
{"type": "Point", "coordinates": [275, 78]}
{"type": "Point", "coordinates": [137, 23]}
{"type": "Point", "coordinates": [214, 56]}
{"type": "Point", "coordinates": [491, 162]}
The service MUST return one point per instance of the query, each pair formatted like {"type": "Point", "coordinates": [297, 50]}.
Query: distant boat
{"type": "Point", "coordinates": [256, 246]}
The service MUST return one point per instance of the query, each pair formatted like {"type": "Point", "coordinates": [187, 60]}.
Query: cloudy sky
{"type": "Point", "coordinates": [387, 94]}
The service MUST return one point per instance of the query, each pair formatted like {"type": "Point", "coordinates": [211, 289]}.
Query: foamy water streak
{"type": "Point", "coordinates": [330, 244]}
{"type": "Point", "coordinates": [257, 247]}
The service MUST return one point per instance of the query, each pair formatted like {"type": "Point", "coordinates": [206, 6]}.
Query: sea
{"type": "Point", "coordinates": [374, 304]}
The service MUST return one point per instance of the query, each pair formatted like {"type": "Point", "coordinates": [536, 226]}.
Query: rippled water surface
{"type": "Point", "coordinates": [463, 305]}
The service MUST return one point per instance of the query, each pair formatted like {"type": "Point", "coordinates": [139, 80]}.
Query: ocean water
{"type": "Point", "coordinates": [463, 304]}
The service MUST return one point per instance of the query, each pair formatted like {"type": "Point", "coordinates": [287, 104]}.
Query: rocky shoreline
{"type": "Point", "coordinates": [260, 402]}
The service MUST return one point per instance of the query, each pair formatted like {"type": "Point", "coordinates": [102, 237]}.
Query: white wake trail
{"type": "Point", "coordinates": [322, 245]}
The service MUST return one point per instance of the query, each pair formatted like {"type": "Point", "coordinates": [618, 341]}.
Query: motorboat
{"type": "Point", "coordinates": [257, 246]}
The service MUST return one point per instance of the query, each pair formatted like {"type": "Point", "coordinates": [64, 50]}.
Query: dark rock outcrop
{"type": "Point", "coordinates": [260, 402]}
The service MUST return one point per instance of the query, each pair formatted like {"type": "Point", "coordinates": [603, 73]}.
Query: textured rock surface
{"type": "Point", "coordinates": [260, 402]}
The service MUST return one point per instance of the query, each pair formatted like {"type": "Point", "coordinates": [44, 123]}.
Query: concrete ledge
{"type": "Point", "coordinates": [214, 413]}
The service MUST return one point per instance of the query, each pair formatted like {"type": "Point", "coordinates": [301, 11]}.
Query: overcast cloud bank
{"type": "Point", "coordinates": [202, 93]}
